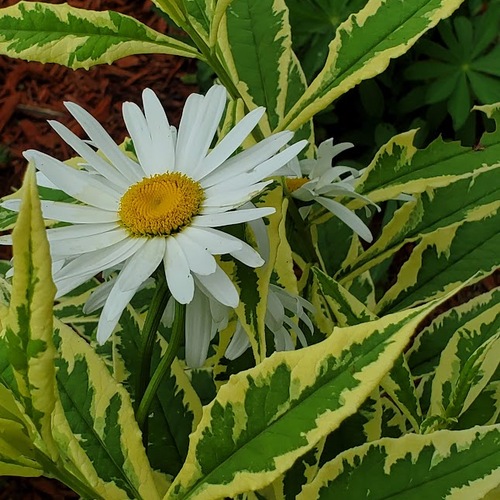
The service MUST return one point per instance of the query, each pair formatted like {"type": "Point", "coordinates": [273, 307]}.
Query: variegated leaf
{"type": "Point", "coordinates": [79, 38]}
{"type": "Point", "coordinates": [394, 423]}
{"type": "Point", "coordinates": [485, 409]}
{"type": "Point", "coordinates": [399, 385]}
{"type": "Point", "coordinates": [433, 209]}
{"type": "Point", "coordinates": [302, 472]}
{"type": "Point", "coordinates": [347, 309]}
{"type": "Point", "coordinates": [478, 315]}
{"type": "Point", "coordinates": [363, 47]}
{"type": "Point", "coordinates": [468, 362]}
{"type": "Point", "coordinates": [445, 464]}
{"type": "Point", "coordinates": [175, 410]}
{"type": "Point", "coordinates": [256, 44]}
{"type": "Point", "coordinates": [400, 167]}
{"type": "Point", "coordinates": [466, 250]}
{"type": "Point", "coordinates": [300, 395]}
{"type": "Point", "coordinates": [362, 427]}
{"type": "Point", "coordinates": [253, 284]}
{"type": "Point", "coordinates": [28, 326]}
{"type": "Point", "coordinates": [17, 453]}
{"type": "Point", "coordinates": [96, 424]}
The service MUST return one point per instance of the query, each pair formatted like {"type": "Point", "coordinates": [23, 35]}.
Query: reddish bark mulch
{"type": "Point", "coordinates": [31, 93]}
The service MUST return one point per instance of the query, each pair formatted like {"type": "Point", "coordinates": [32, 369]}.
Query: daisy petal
{"type": "Point", "coordinates": [78, 246]}
{"type": "Point", "coordinates": [95, 262]}
{"type": "Point", "coordinates": [233, 217]}
{"type": "Point", "coordinates": [162, 137]}
{"type": "Point", "coordinates": [197, 131]}
{"type": "Point", "coordinates": [198, 330]}
{"type": "Point", "coordinates": [145, 260]}
{"type": "Point", "coordinates": [98, 296]}
{"type": "Point", "coordinates": [348, 217]}
{"type": "Point", "coordinates": [220, 287]}
{"type": "Point", "coordinates": [139, 133]}
{"type": "Point", "coordinates": [66, 285]}
{"type": "Point", "coordinates": [248, 256]}
{"type": "Point", "coordinates": [137, 269]}
{"type": "Point", "coordinates": [214, 241]}
{"type": "Point", "coordinates": [179, 278]}
{"type": "Point", "coordinates": [229, 144]}
{"type": "Point", "coordinates": [238, 345]}
{"type": "Point", "coordinates": [265, 169]}
{"type": "Point", "coordinates": [94, 160]}
{"type": "Point", "coordinates": [199, 260]}
{"type": "Point", "coordinates": [83, 186]}
{"type": "Point", "coordinates": [247, 160]}
{"type": "Point", "coordinates": [78, 214]}
{"type": "Point", "coordinates": [216, 197]}
{"type": "Point", "coordinates": [103, 141]}
{"type": "Point", "coordinates": [113, 308]}
{"type": "Point", "coordinates": [79, 231]}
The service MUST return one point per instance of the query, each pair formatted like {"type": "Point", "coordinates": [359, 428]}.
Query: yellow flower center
{"type": "Point", "coordinates": [293, 183]}
{"type": "Point", "coordinates": [160, 205]}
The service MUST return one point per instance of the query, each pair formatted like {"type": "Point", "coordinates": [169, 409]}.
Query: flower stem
{"type": "Point", "coordinates": [164, 365]}
{"type": "Point", "coordinates": [148, 337]}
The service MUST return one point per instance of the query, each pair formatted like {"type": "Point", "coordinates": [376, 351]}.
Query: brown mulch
{"type": "Point", "coordinates": [32, 93]}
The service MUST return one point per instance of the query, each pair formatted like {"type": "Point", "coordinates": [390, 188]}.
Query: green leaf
{"type": "Point", "coordinates": [460, 102]}
{"type": "Point", "coordinates": [363, 47]}
{"type": "Point", "coordinates": [175, 410]}
{"type": "Point", "coordinates": [253, 284]}
{"type": "Point", "coordinates": [486, 88]}
{"type": "Point", "coordinates": [300, 395]}
{"type": "Point", "coordinates": [490, 63]}
{"type": "Point", "coordinates": [17, 453]}
{"type": "Point", "coordinates": [444, 464]}
{"type": "Point", "coordinates": [79, 38]}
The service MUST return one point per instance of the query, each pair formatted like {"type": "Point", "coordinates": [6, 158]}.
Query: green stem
{"type": "Point", "coordinates": [148, 337]}
{"type": "Point", "coordinates": [164, 365]}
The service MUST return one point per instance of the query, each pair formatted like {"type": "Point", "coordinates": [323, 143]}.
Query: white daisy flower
{"type": "Point", "coordinates": [279, 302]}
{"type": "Point", "coordinates": [163, 208]}
{"type": "Point", "coordinates": [316, 180]}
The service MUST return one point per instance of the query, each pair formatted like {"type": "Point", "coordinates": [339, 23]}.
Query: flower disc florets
{"type": "Point", "coordinates": [294, 183]}
{"type": "Point", "coordinates": [160, 205]}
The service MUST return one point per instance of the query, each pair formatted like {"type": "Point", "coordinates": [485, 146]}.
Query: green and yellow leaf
{"type": "Point", "coordinates": [346, 308]}
{"type": "Point", "coordinates": [363, 47]}
{"type": "Point", "coordinates": [444, 464]}
{"type": "Point", "coordinates": [28, 326]}
{"type": "Point", "coordinates": [301, 396]}
{"type": "Point", "coordinates": [467, 250]}
{"type": "Point", "coordinates": [96, 424]}
{"type": "Point", "coordinates": [79, 38]}
{"type": "Point", "coordinates": [433, 209]}
{"type": "Point", "coordinates": [477, 315]}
